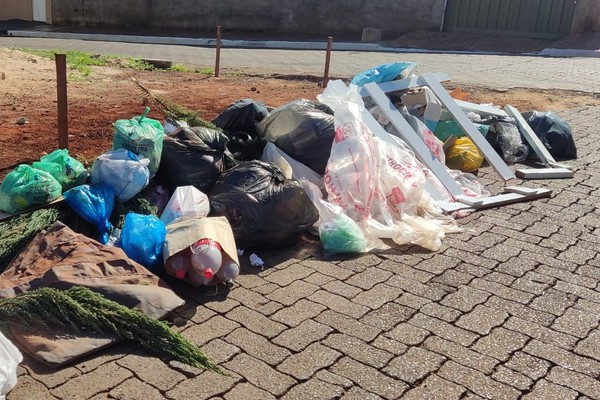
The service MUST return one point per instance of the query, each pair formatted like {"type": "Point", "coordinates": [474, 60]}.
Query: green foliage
{"type": "Point", "coordinates": [16, 232]}
{"type": "Point", "coordinates": [79, 307]}
{"type": "Point", "coordinates": [174, 111]}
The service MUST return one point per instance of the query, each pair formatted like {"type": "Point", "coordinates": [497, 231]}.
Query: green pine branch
{"type": "Point", "coordinates": [81, 308]}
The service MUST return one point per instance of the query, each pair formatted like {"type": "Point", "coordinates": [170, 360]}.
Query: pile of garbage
{"type": "Point", "coordinates": [273, 174]}
{"type": "Point", "coordinates": [180, 201]}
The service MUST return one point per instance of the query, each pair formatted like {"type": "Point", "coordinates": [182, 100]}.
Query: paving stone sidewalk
{"type": "Point", "coordinates": [508, 309]}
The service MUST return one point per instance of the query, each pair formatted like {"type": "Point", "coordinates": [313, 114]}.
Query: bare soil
{"type": "Point", "coordinates": [28, 90]}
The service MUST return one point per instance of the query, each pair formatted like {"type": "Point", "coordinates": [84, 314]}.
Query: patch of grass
{"type": "Point", "coordinates": [205, 71]}
{"type": "Point", "coordinates": [77, 60]}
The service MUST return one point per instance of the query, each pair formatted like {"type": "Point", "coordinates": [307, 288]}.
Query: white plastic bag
{"type": "Point", "coordinates": [123, 171]}
{"type": "Point", "coordinates": [186, 202]}
{"type": "Point", "coordinates": [10, 357]}
{"type": "Point", "coordinates": [291, 168]}
{"type": "Point", "coordinates": [378, 184]}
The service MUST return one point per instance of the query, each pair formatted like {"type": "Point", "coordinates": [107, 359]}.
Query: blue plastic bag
{"type": "Point", "coordinates": [383, 73]}
{"type": "Point", "coordinates": [94, 203]}
{"type": "Point", "coordinates": [142, 239]}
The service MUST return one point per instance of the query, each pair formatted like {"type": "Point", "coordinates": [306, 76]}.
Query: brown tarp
{"type": "Point", "coordinates": [61, 258]}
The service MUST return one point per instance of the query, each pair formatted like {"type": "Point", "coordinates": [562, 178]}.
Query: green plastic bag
{"type": "Point", "coordinates": [65, 169]}
{"type": "Point", "coordinates": [26, 187]}
{"type": "Point", "coordinates": [445, 129]}
{"type": "Point", "coordinates": [142, 136]}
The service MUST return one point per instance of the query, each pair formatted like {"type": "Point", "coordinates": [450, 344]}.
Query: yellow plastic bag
{"type": "Point", "coordinates": [463, 156]}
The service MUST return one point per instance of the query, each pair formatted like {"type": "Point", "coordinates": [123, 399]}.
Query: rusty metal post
{"type": "Point", "coordinates": [218, 55]}
{"type": "Point", "coordinates": [61, 100]}
{"type": "Point", "coordinates": [327, 59]}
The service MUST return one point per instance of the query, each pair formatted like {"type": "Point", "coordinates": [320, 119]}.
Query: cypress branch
{"type": "Point", "coordinates": [79, 307]}
{"type": "Point", "coordinates": [174, 111]}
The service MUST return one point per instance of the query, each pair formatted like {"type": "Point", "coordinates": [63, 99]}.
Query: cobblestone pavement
{"type": "Point", "coordinates": [507, 309]}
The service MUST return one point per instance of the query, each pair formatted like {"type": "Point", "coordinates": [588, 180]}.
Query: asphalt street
{"type": "Point", "coordinates": [498, 71]}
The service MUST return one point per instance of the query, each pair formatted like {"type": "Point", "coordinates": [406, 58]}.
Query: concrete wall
{"type": "Point", "coordinates": [280, 16]}
{"type": "Point", "coordinates": [20, 9]}
{"type": "Point", "coordinates": [587, 16]}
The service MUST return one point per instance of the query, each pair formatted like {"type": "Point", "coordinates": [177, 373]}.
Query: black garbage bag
{"type": "Point", "coordinates": [241, 116]}
{"type": "Point", "coordinates": [303, 129]}
{"type": "Point", "coordinates": [265, 209]}
{"type": "Point", "coordinates": [193, 156]}
{"type": "Point", "coordinates": [243, 147]}
{"type": "Point", "coordinates": [506, 139]}
{"type": "Point", "coordinates": [554, 133]}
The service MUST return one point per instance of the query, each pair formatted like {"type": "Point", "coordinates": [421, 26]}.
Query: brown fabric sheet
{"type": "Point", "coordinates": [61, 258]}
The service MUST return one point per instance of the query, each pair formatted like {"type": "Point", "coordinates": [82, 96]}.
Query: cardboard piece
{"type": "Point", "coordinates": [183, 234]}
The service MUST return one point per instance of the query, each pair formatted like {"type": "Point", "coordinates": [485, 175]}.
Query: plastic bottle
{"type": "Point", "coordinates": [201, 278]}
{"type": "Point", "coordinates": [228, 272]}
{"type": "Point", "coordinates": [178, 265]}
{"type": "Point", "coordinates": [206, 257]}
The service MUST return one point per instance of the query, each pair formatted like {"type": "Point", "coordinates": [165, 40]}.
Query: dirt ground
{"type": "Point", "coordinates": [95, 102]}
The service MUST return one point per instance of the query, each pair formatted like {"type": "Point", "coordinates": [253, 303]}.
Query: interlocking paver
{"type": "Point", "coordinates": [477, 382]}
{"type": "Point", "coordinates": [255, 321]}
{"type": "Point", "coordinates": [28, 389]}
{"type": "Point", "coordinates": [50, 377]}
{"type": "Point", "coordinates": [339, 304]}
{"type": "Point", "coordinates": [328, 268]}
{"type": "Point", "coordinates": [205, 386]}
{"type": "Point", "coordinates": [369, 378]}
{"type": "Point", "coordinates": [134, 388]}
{"type": "Point", "coordinates": [359, 264]}
{"type": "Point", "coordinates": [255, 301]}
{"type": "Point", "coordinates": [342, 289]}
{"type": "Point", "coordinates": [500, 343]}
{"type": "Point", "coordinates": [461, 355]}
{"type": "Point", "coordinates": [151, 370]}
{"type": "Point", "coordinates": [576, 322]}
{"type": "Point", "coordinates": [369, 278]}
{"type": "Point", "coordinates": [292, 293]}
{"type": "Point", "coordinates": [568, 276]}
{"type": "Point", "coordinates": [213, 328]}
{"type": "Point", "coordinates": [436, 388]}
{"type": "Point", "coordinates": [411, 300]}
{"type": "Point", "coordinates": [454, 278]}
{"type": "Point", "coordinates": [257, 346]}
{"type": "Point", "coordinates": [512, 378]}
{"type": "Point", "coordinates": [408, 334]}
{"type": "Point", "coordinates": [313, 389]}
{"type": "Point", "coordinates": [291, 273]}
{"type": "Point", "coordinates": [390, 345]}
{"type": "Point", "coordinates": [298, 313]}
{"type": "Point", "coordinates": [528, 365]}
{"type": "Point", "coordinates": [306, 363]}
{"type": "Point", "coordinates": [443, 329]}
{"type": "Point", "coordinates": [388, 316]}
{"type": "Point", "coordinates": [357, 393]}
{"type": "Point", "coordinates": [442, 312]}
{"type": "Point", "coordinates": [414, 365]}
{"type": "Point", "coordinates": [465, 298]}
{"type": "Point", "coordinates": [247, 391]}
{"type": "Point", "coordinates": [482, 319]}
{"type": "Point", "coordinates": [587, 385]}
{"type": "Point", "coordinates": [377, 296]}
{"type": "Point", "coordinates": [502, 291]}
{"type": "Point", "coordinates": [553, 302]}
{"type": "Point", "coordinates": [416, 288]}
{"type": "Point", "coordinates": [562, 357]}
{"type": "Point", "coordinates": [102, 379]}
{"type": "Point", "coordinates": [347, 325]}
{"type": "Point", "coordinates": [301, 336]}
{"type": "Point", "coordinates": [358, 350]}
{"type": "Point", "coordinates": [545, 390]}
{"type": "Point", "coordinates": [590, 346]}
{"type": "Point", "coordinates": [521, 311]}
{"type": "Point", "coordinates": [259, 374]}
